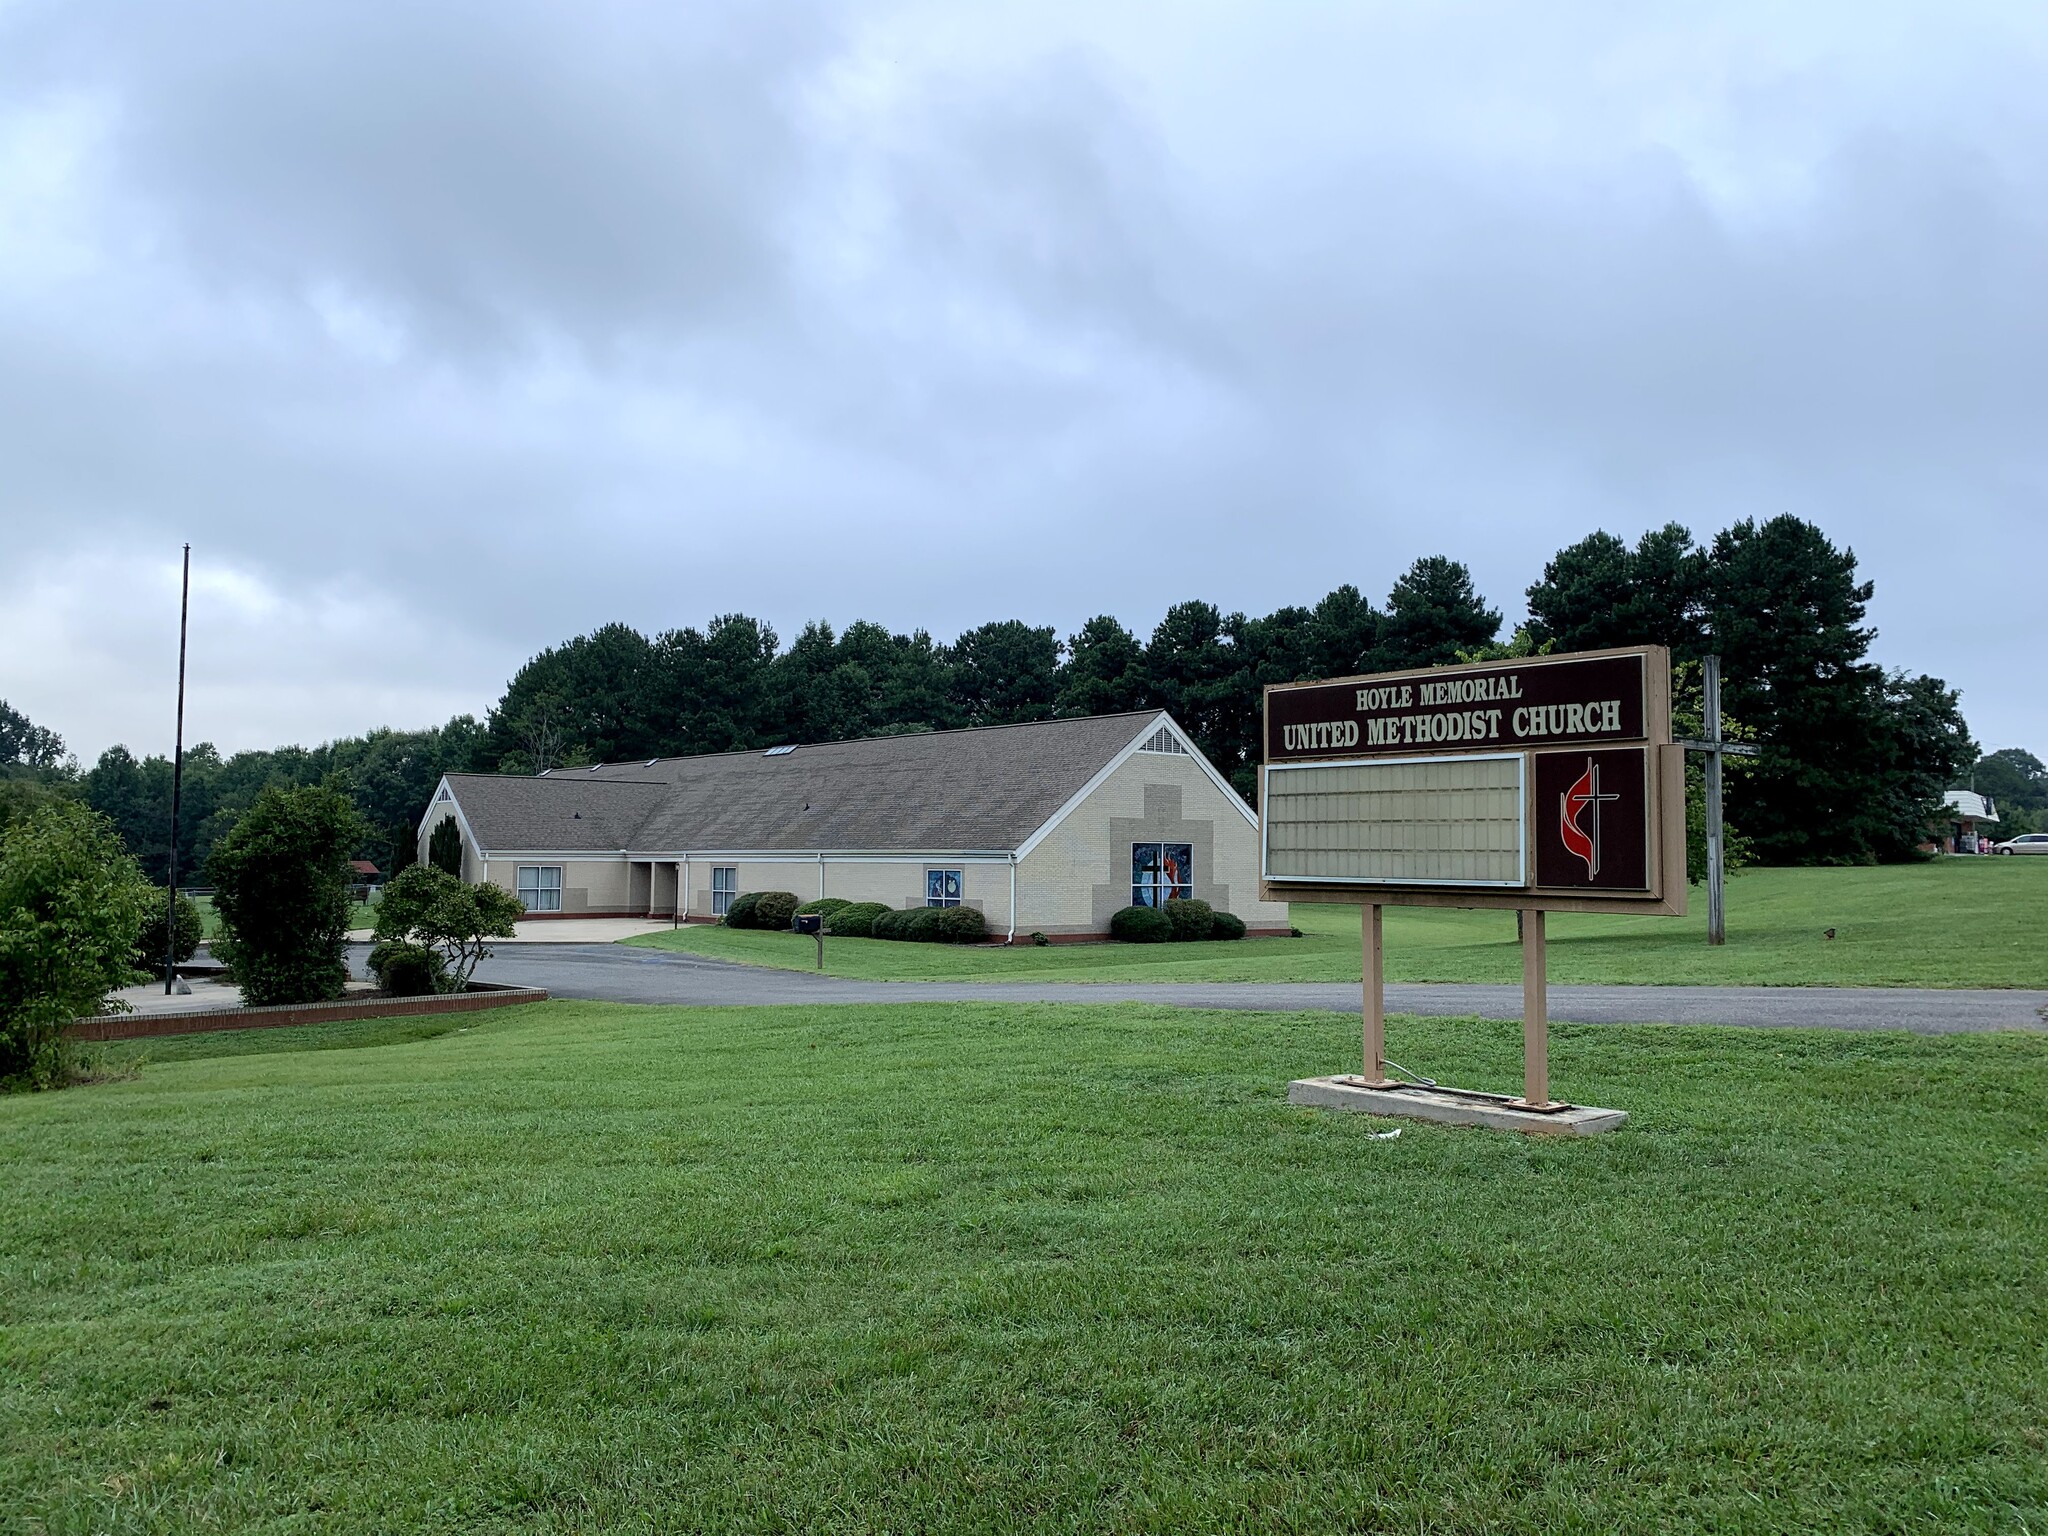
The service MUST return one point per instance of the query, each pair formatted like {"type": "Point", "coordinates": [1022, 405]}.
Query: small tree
{"type": "Point", "coordinates": [424, 905]}
{"type": "Point", "coordinates": [71, 905]}
{"type": "Point", "coordinates": [157, 932]}
{"type": "Point", "coordinates": [281, 882]}
{"type": "Point", "coordinates": [444, 847]}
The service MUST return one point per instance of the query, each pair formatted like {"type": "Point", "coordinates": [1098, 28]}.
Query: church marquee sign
{"type": "Point", "coordinates": [1544, 782]}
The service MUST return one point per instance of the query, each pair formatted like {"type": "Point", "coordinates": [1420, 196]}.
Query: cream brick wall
{"type": "Point", "coordinates": [1081, 873]}
{"type": "Point", "coordinates": [896, 883]}
{"type": "Point", "coordinates": [588, 885]}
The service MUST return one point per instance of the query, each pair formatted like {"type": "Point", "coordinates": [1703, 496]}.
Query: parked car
{"type": "Point", "coordinates": [2026, 842]}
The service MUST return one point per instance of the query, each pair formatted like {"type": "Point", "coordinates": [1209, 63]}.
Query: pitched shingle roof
{"type": "Point", "coordinates": [951, 791]}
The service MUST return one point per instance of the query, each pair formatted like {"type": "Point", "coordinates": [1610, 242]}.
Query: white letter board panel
{"type": "Point", "coordinates": [1403, 821]}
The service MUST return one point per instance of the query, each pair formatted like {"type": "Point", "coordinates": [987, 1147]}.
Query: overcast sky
{"type": "Point", "coordinates": [445, 332]}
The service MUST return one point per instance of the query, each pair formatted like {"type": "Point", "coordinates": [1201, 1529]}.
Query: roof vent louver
{"type": "Point", "coordinates": [1163, 740]}
{"type": "Point", "coordinates": [779, 751]}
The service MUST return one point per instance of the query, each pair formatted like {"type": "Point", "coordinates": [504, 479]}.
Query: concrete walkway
{"type": "Point", "coordinates": [617, 973]}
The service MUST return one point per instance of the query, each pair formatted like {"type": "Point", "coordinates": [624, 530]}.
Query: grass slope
{"type": "Point", "coordinates": [1021, 1268]}
{"type": "Point", "coordinates": [1951, 923]}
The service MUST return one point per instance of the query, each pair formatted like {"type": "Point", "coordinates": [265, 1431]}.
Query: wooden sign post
{"type": "Point", "coordinates": [1540, 784]}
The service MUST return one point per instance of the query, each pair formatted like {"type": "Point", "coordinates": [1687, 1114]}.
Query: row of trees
{"type": "Point", "coordinates": [78, 920]}
{"type": "Point", "coordinates": [1854, 759]}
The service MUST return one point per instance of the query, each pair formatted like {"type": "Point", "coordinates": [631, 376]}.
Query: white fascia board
{"type": "Point", "coordinates": [1209, 768]}
{"type": "Point", "coordinates": [849, 856]}
{"type": "Point", "coordinates": [1101, 777]}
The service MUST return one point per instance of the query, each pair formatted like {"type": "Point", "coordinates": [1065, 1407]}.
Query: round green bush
{"type": "Point", "coordinates": [775, 910]}
{"type": "Point", "coordinates": [1192, 919]}
{"type": "Point", "coordinates": [1228, 925]}
{"type": "Point", "coordinates": [856, 920]}
{"type": "Point", "coordinates": [895, 923]}
{"type": "Point", "coordinates": [1141, 925]}
{"type": "Point", "coordinates": [825, 904]}
{"type": "Point", "coordinates": [406, 970]}
{"type": "Point", "coordinates": [946, 925]}
{"type": "Point", "coordinates": [741, 913]}
{"type": "Point", "coordinates": [954, 925]}
{"type": "Point", "coordinates": [190, 929]}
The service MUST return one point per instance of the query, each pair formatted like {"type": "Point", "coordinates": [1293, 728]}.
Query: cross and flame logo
{"type": "Point", "coordinates": [1578, 817]}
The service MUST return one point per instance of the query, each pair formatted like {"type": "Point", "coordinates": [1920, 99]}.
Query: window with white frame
{"type": "Point", "coordinates": [942, 887]}
{"type": "Point", "coordinates": [1161, 872]}
{"type": "Point", "coordinates": [540, 887]}
{"type": "Point", "coordinates": [725, 884]}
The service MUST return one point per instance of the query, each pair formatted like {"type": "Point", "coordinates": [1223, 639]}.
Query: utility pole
{"type": "Point", "coordinates": [177, 787]}
{"type": "Point", "coordinates": [1714, 749]}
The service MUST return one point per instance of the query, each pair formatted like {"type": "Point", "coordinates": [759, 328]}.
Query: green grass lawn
{"type": "Point", "coordinates": [361, 914]}
{"type": "Point", "coordinates": [1953, 923]}
{"type": "Point", "coordinates": [1019, 1268]}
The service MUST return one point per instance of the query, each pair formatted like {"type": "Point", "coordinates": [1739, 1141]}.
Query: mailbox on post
{"type": "Point", "coordinates": [812, 923]}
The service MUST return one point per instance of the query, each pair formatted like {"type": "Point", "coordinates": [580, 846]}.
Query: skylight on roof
{"type": "Point", "coordinates": [779, 751]}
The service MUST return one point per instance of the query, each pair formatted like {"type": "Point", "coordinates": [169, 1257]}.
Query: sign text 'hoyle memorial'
{"type": "Point", "coordinates": [1532, 703]}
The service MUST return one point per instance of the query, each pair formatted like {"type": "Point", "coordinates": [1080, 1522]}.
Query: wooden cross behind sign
{"type": "Point", "coordinates": [1714, 749]}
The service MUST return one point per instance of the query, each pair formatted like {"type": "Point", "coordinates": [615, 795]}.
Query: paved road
{"type": "Point", "coordinates": [616, 973]}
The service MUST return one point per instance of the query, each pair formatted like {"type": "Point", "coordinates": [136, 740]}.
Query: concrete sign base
{"type": "Point", "coordinates": [1449, 1106]}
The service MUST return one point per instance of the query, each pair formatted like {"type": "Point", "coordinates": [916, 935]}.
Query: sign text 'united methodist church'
{"type": "Point", "coordinates": [1534, 703]}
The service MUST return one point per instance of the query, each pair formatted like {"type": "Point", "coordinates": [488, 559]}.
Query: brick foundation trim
{"type": "Point", "coordinates": [136, 1026]}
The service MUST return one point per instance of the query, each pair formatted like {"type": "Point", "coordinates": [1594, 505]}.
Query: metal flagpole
{"type": "Point", "coordinates": [1714, 749]}
{"type": "Point", "coordinates": [177, 786]}
{"type": "Point", "coordinates": [1717, 911]}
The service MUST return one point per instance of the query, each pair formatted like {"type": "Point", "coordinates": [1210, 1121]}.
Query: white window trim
{"type": "Point", "coordinates": [539, 888]}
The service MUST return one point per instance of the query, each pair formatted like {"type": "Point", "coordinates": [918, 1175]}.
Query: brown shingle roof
{"type": "Point", "coordinates": [952, 791]}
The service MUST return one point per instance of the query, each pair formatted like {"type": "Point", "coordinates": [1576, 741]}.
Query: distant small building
{"type": "Point", "coordinates": [366, 873]}
{"type": "Point", "coordinates": [1968, 812]}
{"type": "Point", "coordinates": [1046, 828]}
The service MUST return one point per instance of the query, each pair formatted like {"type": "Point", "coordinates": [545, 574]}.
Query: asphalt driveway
{"type": "Point", "coordinates": [615, 973]}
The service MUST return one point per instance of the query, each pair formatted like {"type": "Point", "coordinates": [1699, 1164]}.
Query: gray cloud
{"type": "Point", "coordinates": [447, 331]}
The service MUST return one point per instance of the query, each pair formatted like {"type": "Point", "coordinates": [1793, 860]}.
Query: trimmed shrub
{"type": "Point", "coordinates": [1039, 939]}
{"type": "Point", "coordinates": [775, 911]}
{"type": "Point", "coordinates": [1192, 919]}
{"type": "Point", "coordinates": [280, 888]}
{"type": "Point", "coordinates": [71, 903]}
{"type": "Point", "coordinates": [946, 925]}
{"type": "Point", "coordinates": [895, 923]}
{"type": "Point", "coordinates": [951, 925]}
{"type": "Point", "coordinates": [190, 929]}
{"type": "Point", "coordinates": [825, 904]}
{"type": "Point", "coordinates": [856, 920]}
{"type": "Point", "coordinates": [407, 970]}
{"type": "Point", "coordinates": [1141, 925]}
{"type": "Point", "coordinates": [741, 913]}
{"type": "Point", "coordinates": [1228, 925]}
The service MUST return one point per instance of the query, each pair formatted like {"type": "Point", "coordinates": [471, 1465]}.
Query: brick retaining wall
{"type": "Point", "coordinates": [137, 1026]}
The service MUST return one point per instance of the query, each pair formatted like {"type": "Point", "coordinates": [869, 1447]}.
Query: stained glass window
{"type": "Point", "coordinates": [1161, 872]}
{"type": "Point", "coordinates": [942, 887]}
